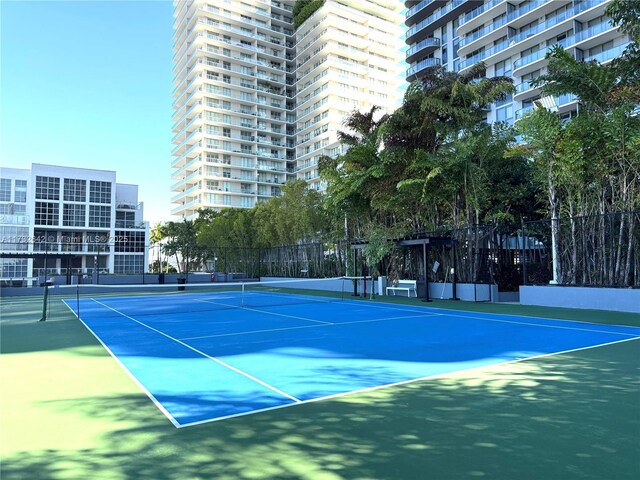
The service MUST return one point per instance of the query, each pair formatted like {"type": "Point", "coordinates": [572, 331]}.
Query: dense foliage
{"type": "Point", "coordinates": [303, 9]}
{"type": "Point", "coordinates": [432, 162]}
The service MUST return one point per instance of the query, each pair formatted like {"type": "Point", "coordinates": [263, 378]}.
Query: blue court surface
{"type": "Point", "coordinates": [200, 358]}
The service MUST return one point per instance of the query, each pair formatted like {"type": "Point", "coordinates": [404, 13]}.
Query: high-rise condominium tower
{"type": "Point", "coordinates": [257, 102]}
{"type": "Point", "coordinates": [511, 37]}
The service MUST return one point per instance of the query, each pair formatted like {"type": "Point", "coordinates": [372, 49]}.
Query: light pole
{"type": "Point", "coordinates": [95, 268]}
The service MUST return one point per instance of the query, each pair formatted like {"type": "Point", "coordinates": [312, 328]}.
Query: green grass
{"type": "Point", "coordinates": [68, 411]}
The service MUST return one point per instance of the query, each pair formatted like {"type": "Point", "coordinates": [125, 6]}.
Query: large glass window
{"type": "Point", "coordinates": [99, 216]}
{"type": "Point", "coordinates": [75, 190]}
{"type": "Point", "coordinates": [71, 241]}
{"type": "Point", "coordinates": [128, 264]}
{"type": "Point", "coordinates": [97, 242]}
{"type": "Point", "coordinates": [20, 195]}
{"type": "Point", "coordinates": [13, 268]}
{"type": "Point", "coordinates": [14, 238]}
{"type": "Point", "coordinates": [505, 114]}
{"type": "Point", "coordinates": [73, 215]}
{"type": "Point", "coordinates": [47, 188]}
{"type": "Point", "coordinates": [125, 220]}
{"type": "Point", "coordinates": [5, 189]}
{"type": "Point", "coordinates": [47, 213]}
{"type": "Point", "coordinates": [99, 192]}
{"type": "Point", "coordinates": [601, 48]}
{"type": "Point", "coordinates": [503, 68]}
{"type": "Point", "coordinates": [130, 241]}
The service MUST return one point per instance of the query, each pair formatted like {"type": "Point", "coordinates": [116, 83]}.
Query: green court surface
{"type": "Point", "coordinates": [69, 411]}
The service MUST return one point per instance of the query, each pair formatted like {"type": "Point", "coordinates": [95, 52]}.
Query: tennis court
{"type": "Point", "coordinates": [209, 354]}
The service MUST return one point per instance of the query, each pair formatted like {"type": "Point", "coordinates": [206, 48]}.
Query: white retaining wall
{"type": "Point", "coordinates": [616, 299]}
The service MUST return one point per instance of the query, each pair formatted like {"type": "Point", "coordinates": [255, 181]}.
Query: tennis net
{"type": "Point", "coordinates": [176, 299]}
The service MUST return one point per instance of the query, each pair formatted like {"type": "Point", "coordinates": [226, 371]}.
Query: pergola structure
{"type": "Point", "coordinates": [415, 241]}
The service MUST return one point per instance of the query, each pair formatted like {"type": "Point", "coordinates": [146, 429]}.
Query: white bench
{"type": "Point", "coordinates": [404, 285]}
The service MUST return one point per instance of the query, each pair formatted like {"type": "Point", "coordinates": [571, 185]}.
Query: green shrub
{"type": "Point", "coordinates": [306, 9]}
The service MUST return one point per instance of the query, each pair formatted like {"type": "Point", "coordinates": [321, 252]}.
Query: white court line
{"type": "Point", "coordinates": [224, 364]}
{"type": "Point", "coordinates": [486, 316]}
{"type": "Point", "coordinates": [635, 335]}
{"type": "Point", "coordinates": [405, 382]}
{"type": "Point", "coordinates": [542, 325]}
{"type": "Point", "coordinates": [264, 311]}
{"type": "Point", "coordinates": [252, 331]}
{"type": "Point", "coordinates": [307, 326]}
{"type": "Point", "coordinates": [440, 309]}
{"type": "Point", "coordinates": [128, 372]}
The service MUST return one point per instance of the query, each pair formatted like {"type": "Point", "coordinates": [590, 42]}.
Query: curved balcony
{"type": "Point", "coordinates": [422, 47]}
{"type": "Point", "coordinates": [608, 55]}
{"type": "Point", "coordinates": [438, 18]}
{"type": "Point", "coordinates": [481, 56]}
{"type": "Point", "coordinates": [519, 114]}
{"type": "Point", "coordinates": [420, 11]}
{"type": "Point", "coordinates": [468, 22]}
{"type": "Point", "coordinates": [412, 73]}
{"type": "Point", "coordinates": [523, 90]}
{"type": "Point", "coordinates": [483, 32]}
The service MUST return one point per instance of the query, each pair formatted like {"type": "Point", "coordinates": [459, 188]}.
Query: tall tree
{"type": "Point", "coordinates": [626, 15]}
{"type": "Point", "coordinates": [179, 239]}
{"type": "Point", "coordinates": [541, 133]}
{"type": "Point", "coordinates": [438, 129]}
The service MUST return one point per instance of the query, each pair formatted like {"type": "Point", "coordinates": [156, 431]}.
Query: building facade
{"type": "Point", "coordinates": [256, 102]}
{"type": "Point", "coordinates": [58, 220]}
{"type": "Point", "coordinates": [511, 37]}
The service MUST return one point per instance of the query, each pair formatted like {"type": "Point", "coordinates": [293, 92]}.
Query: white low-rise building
{"type": "Point", "coordinates": [57, 220]}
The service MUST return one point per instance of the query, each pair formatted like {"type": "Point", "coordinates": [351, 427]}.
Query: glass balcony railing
{"type": "Point", "coordinates": [482, 32]}
{"type": "Point", "coordinates": [477, 11]}
{"type": "Point", "coordinates": [555, 20]}
{"type": "Point", "coordinates": [573, 39]}
{"type": "Point", "coordinates": [565, 99]}
{"type": "Point", "coordinates": [421, 65]}
{"type": "Point", "coordinates": [427, 42]}
{"type": "Point", "coordinates": [537, 55]}
{"type": "Point", "coordinates": [523, 111]}
{"type": "Point", "coordinates": [184, 155]}
{"type": "Point", "coordinates": [558, 101]}
{"type": "Point", "coordinates": [433, 17]}
{"type": "Point", "coordinates": [469, 61]}
{"type": "Point", "coordinates": [592, 31]}
{"type": "Point", "coordinates": [527, 7]}
{"type": "Point", "coordinates": [185, 141]}
{"type": "Point", "coordinates": [416, 8]}
{"type": "Point", "coordinates": [524, 86]}
{"type": "Point", "coordinates": [184, 180]}
{"type": "Point", "coordinates": [607, 55]}
{"type": "Point", "coordinates": [533, 31]}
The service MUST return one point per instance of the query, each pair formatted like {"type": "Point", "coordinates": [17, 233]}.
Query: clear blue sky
{"type": "Point", "coordinates": [88, 84]}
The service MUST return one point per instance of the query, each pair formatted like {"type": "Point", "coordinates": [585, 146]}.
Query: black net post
{"type": "Point", "coordinates": [44, 302]}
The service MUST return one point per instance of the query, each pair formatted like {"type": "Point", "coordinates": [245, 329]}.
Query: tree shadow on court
{"type": "Point", "coordinates": [571, 416]}
{"type": "Point", "coordinates": [24, 334]}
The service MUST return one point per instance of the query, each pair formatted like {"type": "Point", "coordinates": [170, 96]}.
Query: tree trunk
{"type": "Point", "coordinates": [574, 245]}
{"type": "Point", "coordinates": [555, 248]}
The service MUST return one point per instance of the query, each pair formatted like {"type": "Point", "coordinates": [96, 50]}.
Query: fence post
{"type": "Point", "coordinates": [524, 254]}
